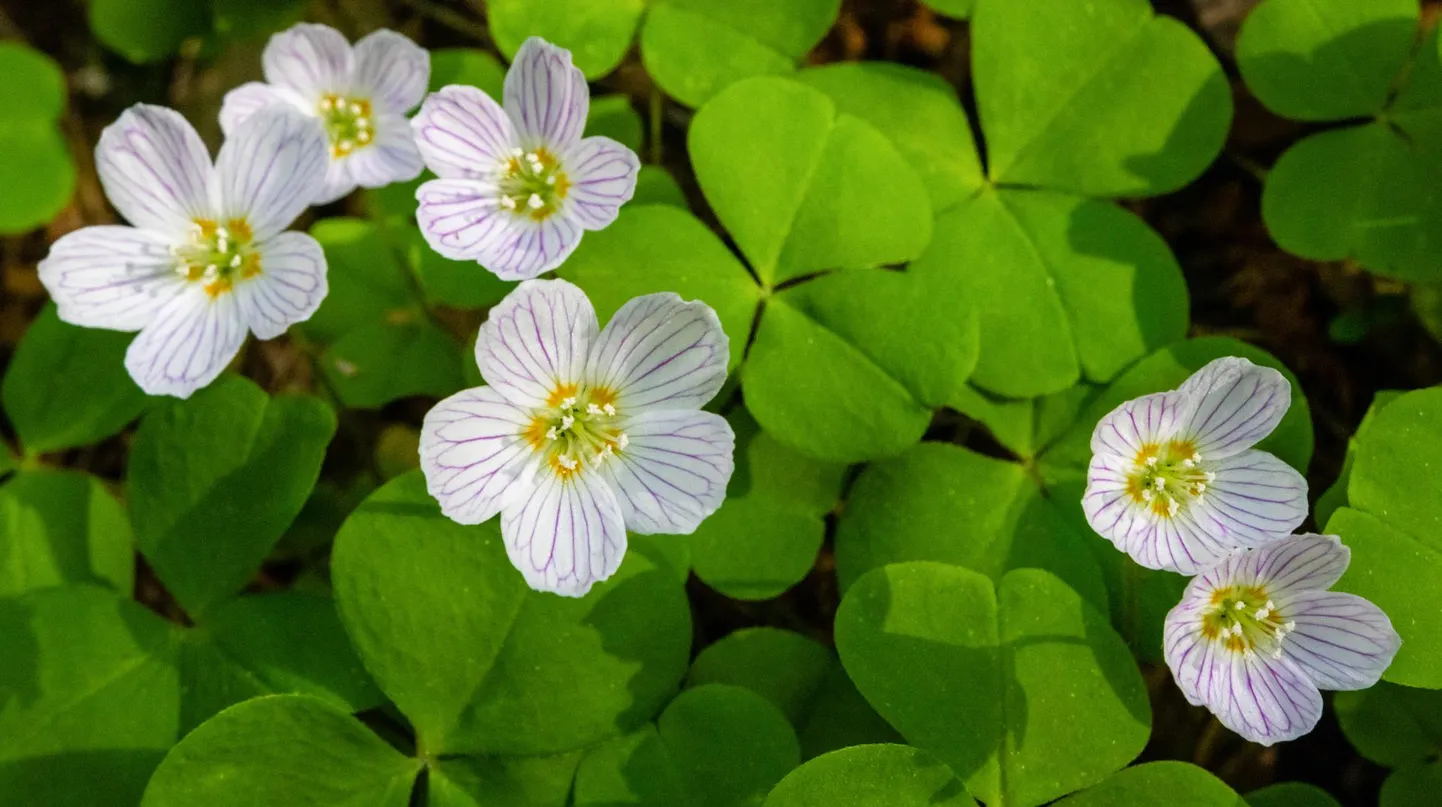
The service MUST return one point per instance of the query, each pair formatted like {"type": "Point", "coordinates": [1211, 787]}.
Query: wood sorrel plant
{"type": "Point", "coordinates": [693, 403]}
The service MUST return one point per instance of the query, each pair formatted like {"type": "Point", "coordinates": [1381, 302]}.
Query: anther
{"type": "Point", "coordinates": [609, 409]}
{"type": "Point", "coordinates": [535, 202]}
{"type": "Point", "coordinates": [551, 434]}
{"type": "Point", "coordinates": [592, 409]}
{"type": "Point", "coordinates": [566, 422]}
{"type": "Point", "coordinates": [567, 462]}
{"type": "Point", "coordinates": [508, 203]}
{"type": "Point", "coordinates": [1159, 483]}
{"type": "Point", "coordinates": [622, 441]}
{"type": "Point", "coordinates": [568, 403]}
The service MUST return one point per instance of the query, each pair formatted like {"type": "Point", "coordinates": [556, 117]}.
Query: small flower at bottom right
{"type": "Point", "coordinates": [1257, 637]}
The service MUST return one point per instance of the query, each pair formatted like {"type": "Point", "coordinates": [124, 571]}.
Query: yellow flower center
{"type": "Point", "coordinates": [1245, 620]}
{"type": "Point", "coordinates": [576, 428]}
{"type": "Point", "coordinates": [533, 184]}
{"type": "Point", "coordinates": [1168, 477]}
{"type": "Point", "coordinates": [349, 123]}
{"type": "Point", "coordinates": [218, 254]}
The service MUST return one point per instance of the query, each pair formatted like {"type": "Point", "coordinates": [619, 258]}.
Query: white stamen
{"type": "Point", "coordinates": [592, 409]}
{"type": "Point", "coordinates": [1147, 494]}
{"type": "Point", "coordinates": [1211, 477]}
{"type": "Point", "coordinates": [517, 152]}
{"type": "Point", "coordinates": [508, 203]}
{"type": "Point", "coordinates": [535, 202]}
{"type": "Point", "coordinates": [568, 403]}
{"type": "Point", "coordinates": [567, 462]}
{"type": "Point", "coordinates": [552, 435]}
{"type": "Point", "coordinates": [1239, 605]}
{"type": "Point", "coordinates": [622, 441]}
{"type": "Point", "coordinates": [345, 145]}
{"type": "Point", "coordinates": [551, 180]}
{"type": "Point", "coordinates": [609, 409]}
{"type": "Point", "coordinates": [1187, 463]}
{"type": "Point", "coordinates": [1151, 462]}
{"type": "Point", "coordinates": [1201, 488]}
{"type": "Point", "coordinates": [566, 422]}
{"type": "Point", "coordinates": [362, 123]}
{"type": "Point", "coordinates": [1159, 483]}
{"type": "Point", "coordinates": [236, 261]}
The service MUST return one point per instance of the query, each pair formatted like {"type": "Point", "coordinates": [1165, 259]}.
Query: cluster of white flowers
{"type": "Point", "coordinates": [582, 434]}
{"type": "Point", "coordinates": [1175, 483]}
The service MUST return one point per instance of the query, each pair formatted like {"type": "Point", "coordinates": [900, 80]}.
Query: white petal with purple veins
{"type": "Point", "coordinates": [536, 340]}
{"type": "Point", "coordinates": [250, 98]}
{"type": "Point", "coordinates": [391, 157]}
{"type": "Point", "coordinates": [474, 456]}
{"type": "Point", "coordinates": [310, 59]}
{"type": "Point", "coordinates": [1201, 668]}
{"type": "Point", "coordinates": [1233, 404]}
{"type": "Point", "coordinates": [1147, 420]}
{"type": "Point", "coordinates": [526, 248]}
{"type": "Point", "coordinates": [188, 344]}
{"type": "Point", "coordinates": [1340, 641]}
{"type": "Point", "coordinates": [1255, 498]}
{"type": "Point", "coordinates": [459, 218]}
{"type": "Point", "coordinates": [602, 174]}
{"type": "Point", "coordinates": [566, 534]}
{"type": "Point", "coordinates": [391, 71]}
{"type": "Point", "coordinates": [270, 168]}
{"type": "Point", "coordinates": [462, 133]}
{"type": "Point", "coordinates": [661, 352]}
{"type": "Point", "coordinates": [111, 277]}
{"type": "Point", "coordinates": [1177, 543]}
{"type": "Point", "coordinates": [155, 170]}
{"type": "Point", "coordinates": [1294, 564]}
{"type": "Point", "coordinates": [673, 472]}
{"type": "Point", "coordinates": [1269, 700]}
{"type": "Point", "coordinates": [546, 96]}
{"type": "Point", "coordinates": [289, 288]}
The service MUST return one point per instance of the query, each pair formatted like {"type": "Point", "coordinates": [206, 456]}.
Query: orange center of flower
{"type": "Point", "coordinates": [533, 184]}
{"type": "Point", "coordinates": [1167, 477]}
{"type": "Point", "coordinates": [218, 254]}
{"type": "Point", "coordinates": [578, 427]}
{"type": "Point", "coordinates": [1245, 620]}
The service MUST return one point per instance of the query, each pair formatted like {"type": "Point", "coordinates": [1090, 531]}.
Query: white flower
{"type": "Point", "coordinates": [582, 435]}
{"type": "Point", "coordinates": [1174, 481]}
{"type": "Point", "coordinates": [518, 186]}
{"type": "Point", "coordinates": [361, 95]}
{"type": "Point", "coordinates": [1256, 637]}
{"type": "Point", "coordinates": [207, 257]}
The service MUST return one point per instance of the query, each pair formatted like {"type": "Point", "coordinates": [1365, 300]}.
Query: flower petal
{"type": "Point", "coordinates": [1255, 498]}
{"type": "Point", "coordinates": [527, 248]}
{"type": "Point", "coordinates": [566, 534]}
{"type": "Point", "coordinates": [289, 288]}
{"type": "Point", "coordinates": [310, 59]}
{"type": "Point", "coordinates": [535, 341]}
{"type": "Point", "coordinates": [1171, 543]}
{"type": "Point", "coordinates": [1341, 641]}
{"type": "Point", "coordinates": [270, 169]}
{"type": "Point", "coordinates": [1233, 404]}
{"type": "Point", "coordinates": [190, 342]}
{"type": "Point", "coordinates": [602, 174]}
{"type": "Point", "coordinates": [473, 455]}
{"type": "Point", "coordinates": [1148, 420]}
{"type": "Point", "coordinates": [1295, 564]}
{"type": "Point", "coordinates": [391, 71]}
{"type": "Point", "coordinates": [111, 277]}
{"type": "Point", "coordinates": [1269, 700]}
{"type": "Point", "coordinates": [1201, 668]}
{"type": "Point", "coordinates": [391, 157]}
{"type": "Point", "coordinates": [250, 98]}
{"type": "Point", "coordinates": [155, 170]}
{"type": "Point", "coordinates": [673, 472]}
{"type": "Point", "coordinates": [460, 217]}
{"type": "Point", "coordinates": [546, 96]}
{"type": "Point", "coordinates": [462, 133]}
{"type": "Point", "coordinates": [660, 352]}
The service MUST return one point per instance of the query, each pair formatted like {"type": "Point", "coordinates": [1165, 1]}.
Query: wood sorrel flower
{"type": "Point", "coordinates": [1256, 637]}
{"type": "Point", "coordinates": [519, 185]}
{"type": "Point", "coordinates": [361, 96]}
{"type": "Point", "coordinates": [207, 257]}
{"type": "Point", "coordinates": [1174, 481]}
{"type": "Point", "coordinates": [582, 435]}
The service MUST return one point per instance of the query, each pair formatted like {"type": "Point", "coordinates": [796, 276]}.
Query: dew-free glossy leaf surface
{"type": "Point", "coordinates": [613, 116]}
{"type": "Point", "coordinates": [802, 187]}
{"type": "Point", "coordinates": [1158, 784]}
{"type": "Point", "coordinates": [1320, 60]}
{"type": "Point", "coordinates": [1392, 725]}
{"type": "Point", "coordinates": [918, 111]}
{"type": "Point", "coordinates": [481, 664]}
{"type": "Point", "coordinates": [36, 170]}
{"type": "Point", "coordinates": [1361, 193]}
{"type": "Point", "coordinates": [765, 537]}
{"type": "Point", "coordinates": [147, 30]}
{"type": "Point", "coordinates": [283, 749]}
{"type": "Point", "coordinates": [1415, 784]}
{"type": "Point", "coordinates": [871, 776]}
{"type": "Point", "coordinates": [1291, 794]}
{"type": "Point", "coordinates": [61, 527]}
{"type": "Point", "coordinates": [215, 480]}
{"type": "Point", "coordinates": [79, 663]}
{"type": "Point", "coordinates": [597, 32]}
{"type": "Point", "coordinates": [1089, 287]}
{"type": "Point", "coordinates": [502, 781]}
{"type": "Point", "coordinates": [468, 67]}
{"type": "Point", "coordinates": [66, 386]}
{"type": "Point", "coordinates": [696, 48]}
{"type": "Point", "coordinates": [714, 746]}
{"type": "Point", "coordinates": [1101, 98]}
{"type": "Point", "coordinates": [367, 281]}
{"type": "Point", "coordinates": [382, 362]}
{"type": "Point", "coordinates": [944, 503]}
{"type": "Point", "coordinates": [784, 667]}
{"type": "Point", "coordinates": [1010, 686]}
{"type": "Point", "coordinates": [660, 248]}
